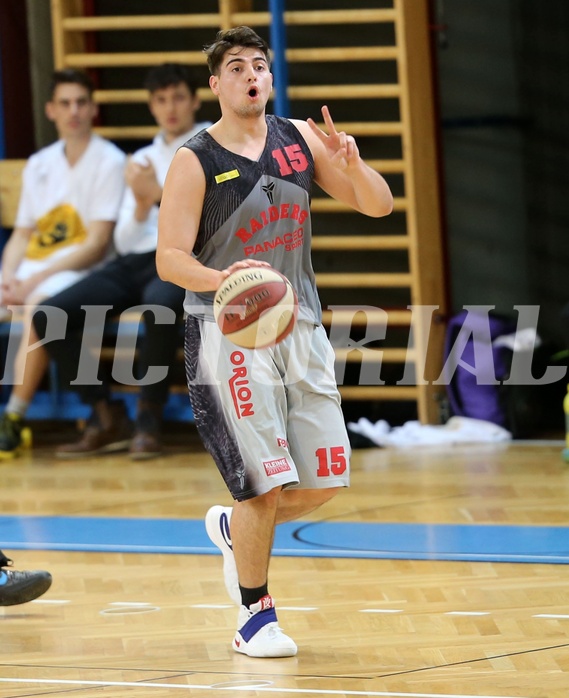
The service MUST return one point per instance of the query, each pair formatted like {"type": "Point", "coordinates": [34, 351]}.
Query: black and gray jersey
{"type": "Point", "coordinates": [258, 210]}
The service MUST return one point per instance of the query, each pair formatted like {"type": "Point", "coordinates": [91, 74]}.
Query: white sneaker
{"type": "Point", "coordinates": [217, 526]}
{"type": "Point", "coordinates": [258, 633]}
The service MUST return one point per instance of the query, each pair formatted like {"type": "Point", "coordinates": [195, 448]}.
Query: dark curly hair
{"type": "Point", "coordinates": [241, 37]}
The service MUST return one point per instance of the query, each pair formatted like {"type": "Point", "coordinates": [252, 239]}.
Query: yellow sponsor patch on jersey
{"type": "Point", "coordinates": [58, 228]}
{"type": "Point", "coordinates": [224, 176]}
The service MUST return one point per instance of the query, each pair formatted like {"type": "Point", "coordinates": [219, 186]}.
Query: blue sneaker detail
{"type": "Point", "coordinates": [258, 633]}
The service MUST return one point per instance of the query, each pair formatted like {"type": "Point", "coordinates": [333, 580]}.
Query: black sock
{"type": "Point", "coordinates": [251, 596]}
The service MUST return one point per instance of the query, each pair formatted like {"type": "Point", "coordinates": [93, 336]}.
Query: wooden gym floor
{"type": "Point", "coordinates": [440, 572]}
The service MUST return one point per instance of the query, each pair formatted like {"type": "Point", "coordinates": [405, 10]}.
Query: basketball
{"type": "Point", "coordinates": [255, 307]}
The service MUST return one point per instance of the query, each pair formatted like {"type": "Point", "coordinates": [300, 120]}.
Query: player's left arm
{"type": "Point", "coordinates": [341, 172]}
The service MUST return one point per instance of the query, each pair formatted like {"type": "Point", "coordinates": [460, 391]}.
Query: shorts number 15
{"type": "Point", "coordinates": [331, 461]}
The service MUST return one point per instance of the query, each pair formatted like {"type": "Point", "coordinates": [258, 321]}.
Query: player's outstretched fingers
{"type": "Point", "coordinates": [328, 120]}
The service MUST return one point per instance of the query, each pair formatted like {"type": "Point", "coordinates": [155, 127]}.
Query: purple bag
{"type": "Point", "coordinates": [477, 394]}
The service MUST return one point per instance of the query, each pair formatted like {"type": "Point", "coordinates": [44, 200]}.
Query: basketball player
{"type": "Point", "coordinates": [18, 587]}
{"type": "Point", "coordinates": [71, 194]}
{"type": "Point", "coordinates": [236, 196]}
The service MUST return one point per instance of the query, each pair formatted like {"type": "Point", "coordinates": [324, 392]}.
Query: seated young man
{"type": "Point", "coordinates": [71, 194]}
{"type": "Point", "coordinates": [131, 280]}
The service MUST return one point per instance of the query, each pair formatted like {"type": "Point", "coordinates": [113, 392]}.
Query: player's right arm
{"type": "Point", "coordinates": [178, 224]}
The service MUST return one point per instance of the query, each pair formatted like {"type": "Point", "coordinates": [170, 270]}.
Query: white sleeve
{"type": "Point", "coordinates": [108, 188]}
{"type": "Point", "coordinates": [131, 235]}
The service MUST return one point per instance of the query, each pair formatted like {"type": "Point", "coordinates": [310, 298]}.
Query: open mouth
{"type": "Point", "coordinates": [253, 92]}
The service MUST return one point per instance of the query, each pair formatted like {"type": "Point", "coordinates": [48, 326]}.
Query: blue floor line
{"type": "Point", "coordinates": [466, 542]}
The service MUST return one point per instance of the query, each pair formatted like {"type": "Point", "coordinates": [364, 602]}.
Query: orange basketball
{"type": "Point", "coordinates": [255, 307]}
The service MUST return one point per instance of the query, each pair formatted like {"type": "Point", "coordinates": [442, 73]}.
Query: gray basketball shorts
{"type": "Point", "coordinates": [269, 417]}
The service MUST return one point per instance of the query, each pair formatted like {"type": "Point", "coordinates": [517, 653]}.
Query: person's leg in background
{"type": "Point", "coordinates": [159, 348]}
{"type": "Point", "coordinates": [29, 366]}
{"type": "Point", "coordinates": [108, 428]}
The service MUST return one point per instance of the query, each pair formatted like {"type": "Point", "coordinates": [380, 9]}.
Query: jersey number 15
{"type": "Point", "coordinates": [290, 158]}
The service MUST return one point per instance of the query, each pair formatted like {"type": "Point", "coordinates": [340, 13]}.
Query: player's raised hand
{"type": "Point", "coordinates": [341, 148]}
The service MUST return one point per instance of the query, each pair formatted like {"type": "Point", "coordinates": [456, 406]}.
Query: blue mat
{"type": "Point", "coordinates": [481, 543]}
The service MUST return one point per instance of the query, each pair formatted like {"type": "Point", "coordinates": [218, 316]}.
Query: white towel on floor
{"type": "Point", "coordinates": [457, 430]}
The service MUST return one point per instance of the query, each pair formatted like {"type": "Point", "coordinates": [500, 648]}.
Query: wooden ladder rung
{"type": "Point", "coordinates": [127, 132]}
{"type": "Point", "coordinates": [128, 22]}
{"type": "Point", "coordinates": [393, 356]}
{"type": "Point", "coordinates": [388, 166]}
{"type": "Point", "coordinates": [327, 205]}
{"type": "Point", "coordinates": [365, 280]}
{"type": "Point", "coordinates": [379, 392]}
{"type": "Point", "coordinates": [369, 128]}
{"type": "Point", "coordinates": [328, 92]}
{"type": "Point", "coordinates": [319, 17]}
{"type": "Point", "coordinates": [342, 53]}
{"type": "Point", "coordinates": [360, 242]}
{"type": "Point", "coordinates": [121, 60]}
{"type": "Point", "coordinates": [188, 21]}
{"type": "Point", "coordinates": [361, 318]}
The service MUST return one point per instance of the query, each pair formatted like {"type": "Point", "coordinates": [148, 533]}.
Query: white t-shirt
{"type": "Point", "coordinates": [59, 201]}
{"type": "Point", "coordinates": [132, 236]}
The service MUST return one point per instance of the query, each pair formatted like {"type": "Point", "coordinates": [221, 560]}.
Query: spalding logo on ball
{"type": "Point", "coordinates": [255, 307]}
